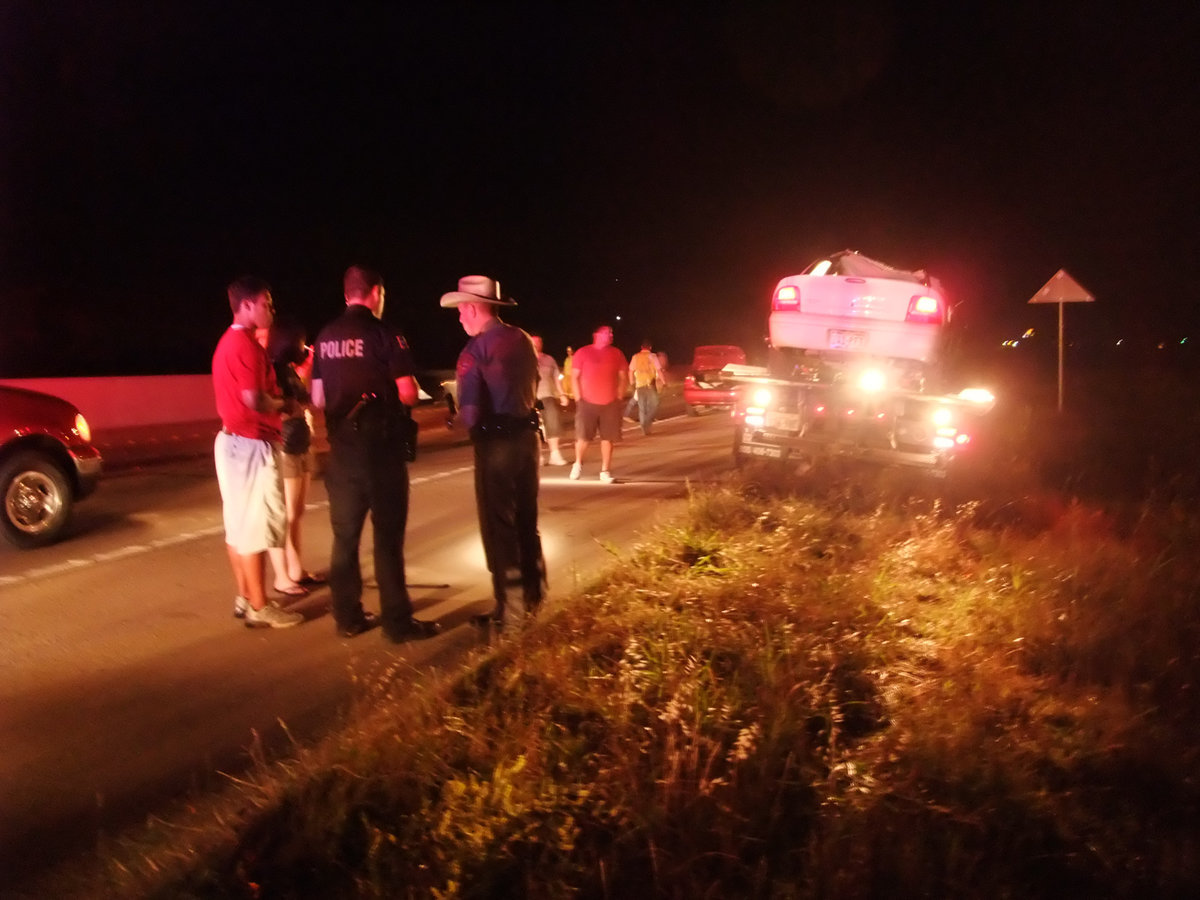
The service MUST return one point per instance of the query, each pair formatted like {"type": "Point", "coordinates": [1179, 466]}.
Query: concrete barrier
{"type": "Point", "coordinates": [139, 420]}
{"type": "Point", "coordinates": [132, 401]}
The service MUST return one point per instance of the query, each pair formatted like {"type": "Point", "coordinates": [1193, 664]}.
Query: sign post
{"type": "Point", "coordinates": [1060, 289]}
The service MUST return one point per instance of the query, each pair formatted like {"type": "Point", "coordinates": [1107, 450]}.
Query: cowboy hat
{"type": "Point", "coordinates": [476, 289]}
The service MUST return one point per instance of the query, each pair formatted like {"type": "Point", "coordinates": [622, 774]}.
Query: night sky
{"type": "Point", "coordinates": [661, 162]}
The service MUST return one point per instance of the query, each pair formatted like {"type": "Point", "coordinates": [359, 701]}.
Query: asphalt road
{"type": "Point", "coordinates": [125, 683]}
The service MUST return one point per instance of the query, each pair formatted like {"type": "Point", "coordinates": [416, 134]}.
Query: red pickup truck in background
{"type": "Point", "coordinates": [47, 463]}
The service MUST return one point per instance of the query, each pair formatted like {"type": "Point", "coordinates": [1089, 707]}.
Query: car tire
{"type": "Point", "coordinates": [37, 500]}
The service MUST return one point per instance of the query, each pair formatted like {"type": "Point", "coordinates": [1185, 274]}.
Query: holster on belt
{"type": "Point", "coordinates": [383, 424]}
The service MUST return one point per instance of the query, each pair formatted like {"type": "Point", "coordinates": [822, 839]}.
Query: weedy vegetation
{"type": "Point", "coordinates": [839, 684]}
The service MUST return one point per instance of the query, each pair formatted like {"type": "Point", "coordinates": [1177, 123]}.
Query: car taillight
{"type": "Point", "coordinates": [923, 308]}
{"type": "Point", "coordinates": [787, 297]}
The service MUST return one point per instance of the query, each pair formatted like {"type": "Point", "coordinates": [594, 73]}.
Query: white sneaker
{"type": "Point", "coordinates": [556, 459]}
{"type": "Point", "coordinates": [576, 471]}
{"type": "Point", "coordinates": [271, 616]}
{"type": "Point", "coordinates": [240, 605]}
{"type": "Point", "coordinates": [606, 476]}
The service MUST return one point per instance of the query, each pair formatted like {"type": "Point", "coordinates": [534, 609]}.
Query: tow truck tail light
{"type": "Point", "coordinates": [787, 297]}
{"type": "Point", "coordinates": [925, 309]}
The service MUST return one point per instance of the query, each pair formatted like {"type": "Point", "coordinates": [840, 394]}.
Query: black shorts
{"type": "Point", "coordinates": [593, 418]}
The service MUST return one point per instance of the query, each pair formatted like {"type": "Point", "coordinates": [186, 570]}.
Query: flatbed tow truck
{"type": "Point", "coordinates": [854, 351]}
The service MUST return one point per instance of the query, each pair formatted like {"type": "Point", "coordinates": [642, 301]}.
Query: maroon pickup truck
{"type": "Point", "coordinates": [47, 462]}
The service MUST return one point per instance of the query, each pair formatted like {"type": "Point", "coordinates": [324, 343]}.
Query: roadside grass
{"type": "Point", "coordinates": [833, 685]}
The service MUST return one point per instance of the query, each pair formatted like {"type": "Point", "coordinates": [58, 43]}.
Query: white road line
{"type": "Point", "coordinates": [71, 565]}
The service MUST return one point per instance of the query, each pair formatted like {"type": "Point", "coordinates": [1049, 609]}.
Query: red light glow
{"type": "Point", "coordinates": [787, 297]}
{"type": "Point", "coordinates": [924, 308]}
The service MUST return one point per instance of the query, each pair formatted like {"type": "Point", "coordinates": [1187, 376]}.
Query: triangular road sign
{"type": "Point", "coordinates": [1062, 288]}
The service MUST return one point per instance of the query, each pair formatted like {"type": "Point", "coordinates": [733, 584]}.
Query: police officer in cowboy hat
{"type": "Point", "coordinates": [497, 384]}
{"type": "Point", "coordinates": [363, 376]}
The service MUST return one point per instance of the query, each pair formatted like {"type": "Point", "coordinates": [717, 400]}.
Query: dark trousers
{"type": "Point", "coordinates": [506, 495]}
{"type": "Point", "coordinates": [362, 479]}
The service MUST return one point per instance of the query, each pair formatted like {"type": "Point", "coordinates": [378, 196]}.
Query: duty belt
{"type": "Point", "coordinates": [498, 426]}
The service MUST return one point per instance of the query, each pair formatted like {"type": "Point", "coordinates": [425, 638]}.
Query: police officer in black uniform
{"type": "Point", "coordinates": [363, 377]}
{"type": "Point", "coordinates": [496, 380]}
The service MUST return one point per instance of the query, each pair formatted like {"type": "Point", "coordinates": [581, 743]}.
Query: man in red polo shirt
{"type": "Point", "coordinates": [598, 384]}
{"type": "Point", "coordinates": [247, 452]}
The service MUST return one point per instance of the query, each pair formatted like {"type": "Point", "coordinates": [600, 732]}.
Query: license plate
{"type": "Point", "coordinates": [847, 340]}
{"type": "Point", "coordinates": [761, 450]}
{"type": "Point", "coordinates": [781, 421]}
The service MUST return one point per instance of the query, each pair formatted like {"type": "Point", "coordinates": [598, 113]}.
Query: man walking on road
{"type": "Point", "coordinates": [598, 383]}
{"type": "Point", "coordinates": [247, 452]}
{"type": "Point", "coordinates": [645, 377]}
{"type": "Point", "coordinates": [363, 378]}
{"type": "Point", "coordinates": [550, 398]}
{"type": "Point", "coordinates": [497, 375]}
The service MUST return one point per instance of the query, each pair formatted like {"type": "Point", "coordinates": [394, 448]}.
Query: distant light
{"type": "Point", "coordinates": [1120, 341]}
{"type": "Point", "coordinates": [1183, 340]}
{"type": "Point", "coordinates": [618, 318]}
{"type": "Point", "coordinates": [1028, 333]}
{"type": "Point", "coordinates": [1161, 345]}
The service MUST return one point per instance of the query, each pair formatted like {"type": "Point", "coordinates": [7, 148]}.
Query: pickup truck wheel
{"type": "Point", "coordinates": [37, 500]}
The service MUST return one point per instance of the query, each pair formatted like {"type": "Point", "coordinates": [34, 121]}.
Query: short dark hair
{"type": "Point", "coordinates": [358, 281]}
{"type": "Point", "coordinates": [647, 343]}
{"type": "Point", "coordinates": [247, 287]}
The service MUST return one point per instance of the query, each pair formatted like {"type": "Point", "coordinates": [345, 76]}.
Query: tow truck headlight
{"type": "Point", "coordinates": [872, 381]}
{"type": "Point", "coordinates": [756, 411]}
{"type": "Point", "coordinates": [981, 397]}
{"type": "Point", "coordinates": [946, 431]}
